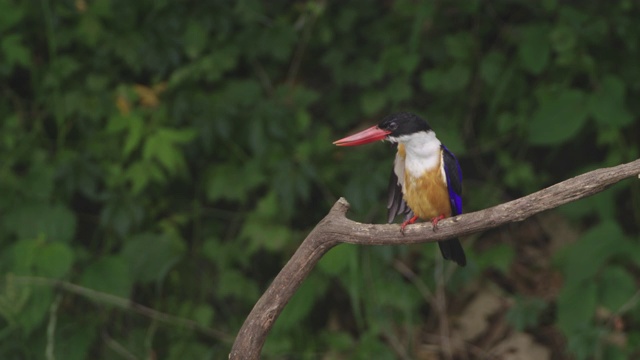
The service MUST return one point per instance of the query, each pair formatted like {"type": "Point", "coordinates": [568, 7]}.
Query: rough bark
{"type": "Point", "coordinates": [335, 229]}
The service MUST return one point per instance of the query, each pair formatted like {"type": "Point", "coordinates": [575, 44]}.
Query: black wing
{"type": "Point", "coordinates": [395, 203]}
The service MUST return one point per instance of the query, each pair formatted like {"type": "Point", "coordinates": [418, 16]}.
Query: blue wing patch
{"type": "Point", "coordinates": [453, 173]}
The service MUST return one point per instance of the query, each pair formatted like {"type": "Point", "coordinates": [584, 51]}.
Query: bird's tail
{"type": "Point", "coordinates": [452, 250]}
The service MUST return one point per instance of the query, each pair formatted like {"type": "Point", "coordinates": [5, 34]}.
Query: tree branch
{"type": "Point", "coordinates": [335, 228]}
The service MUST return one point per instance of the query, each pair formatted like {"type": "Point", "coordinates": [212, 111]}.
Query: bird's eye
{"type": "Point", "coordinates": [392, 125]}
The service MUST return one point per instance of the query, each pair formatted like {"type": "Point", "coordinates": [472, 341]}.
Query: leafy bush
{"type": "Point", "coordinates": [175, 154]}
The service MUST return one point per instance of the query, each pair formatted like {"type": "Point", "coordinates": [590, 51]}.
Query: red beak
{"type": "Point", "coordinates": [371, 134]}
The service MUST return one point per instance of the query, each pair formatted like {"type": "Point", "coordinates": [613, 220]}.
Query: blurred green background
{"type": "Point", "coordinates": [175, 153]}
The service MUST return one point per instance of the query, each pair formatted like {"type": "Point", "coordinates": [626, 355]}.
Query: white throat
{"type": "Point", "coordinates": [422, 151]}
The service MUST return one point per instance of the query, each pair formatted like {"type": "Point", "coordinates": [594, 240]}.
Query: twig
{"type": "Point", "coordinates": [423, 289]}
{"type": "Point", "coordinates": [396, 345]}
{"type": "Point", "coordinates": [120, 302]}
{"type": "Point", "coordinates": [309, 18]}
{"type": "Point", "coordinates": [117, 347]}
{"type": "Point", "coordinates": [441, 305]}
{"type": "Point", "coordinates": [51, 328]}
{"type": "Point", "coordinates": [335, 229]}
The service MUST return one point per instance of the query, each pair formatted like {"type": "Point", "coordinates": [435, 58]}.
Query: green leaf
{"type": "Point", "coordinates": [203, 315]}
{"type": "Point", "coordinates": [233, 283]}
{"type": "Point", "coordinates": [456, 78]}
{"type": "Point", "coordinates": [525, 312]}
{"type": "Point", "coordinates": [109, 274]}
{"type": "Point", "coordinates": [174, 136]}
{"type": "Point", "coordinates": [396, 60]}
{"type": "Point", "coordinates": [390, 291]}
{"type": "Point", "coordinates": [53, 222]}
{"type": "Point", "coordinates": [576, 306]}
{"type": "Point", "coordinates": [142, 173]}
{"type": "Point", "coordinates": [563, 39]}
{"type": "Point", "coordinates": [23, 256]}
{"type": "Point", "coordinates": [225, 182]}
{"type": "Point", "coordinates": [498, 257]}
{"type": "Point", "coordinates": [14, 52]}
{"type": "Point", "coordinates": [583, 342]}
{"type": "Point", "coordinates": [151, 256]}
{"type": "Point", "coordinates": [453, 79]}
{"type": "Point", "coordinates": [231, 182]}
{"type": "Point", "coordinates": [303, 119]}
{"type": "Point", "coordinates": [13, 298]}
{"type": "Point", "coordinates": [460, 45]}
{"type": "Point", "coordinates": [549, 5]}
{"type": "Point", "coordinates": [492, 67]}
{"type": "Point", "coordinates": [534, 49]}
{"type": "Point", "coordinates": [262, 228]}
{"type": "Point", "coordinates": [33, 314]}
{"type": "Point", "coordinates": [399, 90]}
{"type": "Point", "coordinates": [372, 102]}
{"type": "Point", "coordinates": [62, 68]}
{"type": "Point", "coordinates": [301, 303]}
{"type": "Point", "coordinates": [210, 67]}
{"type": "Point", "coordinates": [616, 287]}
{"type": "Point", "coordinates": [53, 260]}
{"type": "Point", "coordinates": [167, 154]}
{"type": "Point", "coordinates": [74, 342]}
{"type": "Point", "coordinates": [90, 29]}
{"type": "Point", "coordinates": [116, 123]}
{"type": "Point", "coordinates": [371, 346]}
{"type": "Point", "coordinates": [431, 79]}
{"type": "Point", "coordinates": [195, 39]}
{"type": "Point", "coordinates": [262, 233]}
{"type": "Point", "coordinates": [337, 260]}
{"type": "Point", "coordinates": [188, 349]}
{"type": "Point", "coordinates": [134, 135]}
{"type": "Point", "coordinates": [560, 115]}
{"type": "Point", "coordinates": [607, 103]}
{"type": "Point", "coordinates": [583, 259]}
{"type": "Point", "coordinates": [121, 214]}
{"type": "Point", "coordinates": [40, 181]}
{"type": "Point", "coordinates": [11, 14]}
{"type": "Point", "coordinates": [617, 352]}
{"type": "Point", "coordinates": [161, 145]}
{"type": "Point", "coordinates": [337, 341]}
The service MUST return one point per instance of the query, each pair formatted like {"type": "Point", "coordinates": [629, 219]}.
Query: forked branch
{"type": "Point", "coordinates": [335, 229]}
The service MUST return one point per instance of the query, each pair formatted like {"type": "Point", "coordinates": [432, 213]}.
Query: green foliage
{"type": "Point", "coordinates": [109, 274]}
{"type": "Point", "coordinates": [175, 155]}
{"type": "Point", "coordinates": [560, 115]}
{"type": "Point", "coordinates": [596, 283]}
{"type": "Point", "coordinates": [525, 312]}
{"type": "Point", "coordinates": [151, 256]}
{"type": "Point", "coordinates": [498, 257]}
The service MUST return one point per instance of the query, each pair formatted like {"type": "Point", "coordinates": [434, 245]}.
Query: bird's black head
{"type": "Point", "coordinates": [397, 127]}
{"type": "Point", "coordinates": [403, 123]}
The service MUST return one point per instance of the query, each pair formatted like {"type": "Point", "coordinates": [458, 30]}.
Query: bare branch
{"type": "Point", "coordinates": [335, 229]}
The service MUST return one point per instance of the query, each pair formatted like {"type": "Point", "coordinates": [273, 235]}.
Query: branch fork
{"type": "Point", "coordinates": [336, 228]}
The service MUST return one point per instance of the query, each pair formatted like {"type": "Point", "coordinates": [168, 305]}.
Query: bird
{"type": "Point", "coordinates": [426, 179]}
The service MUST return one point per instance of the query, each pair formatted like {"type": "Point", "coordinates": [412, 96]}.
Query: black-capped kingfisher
{"type": "Point", "coordinates": [426, 181]}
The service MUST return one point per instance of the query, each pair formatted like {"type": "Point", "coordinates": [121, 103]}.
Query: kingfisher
{"type": "Point", "coordinates": [426, 180]}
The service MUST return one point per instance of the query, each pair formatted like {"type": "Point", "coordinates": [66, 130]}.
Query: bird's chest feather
{"type": "Point", "coordinates": [424, 188]}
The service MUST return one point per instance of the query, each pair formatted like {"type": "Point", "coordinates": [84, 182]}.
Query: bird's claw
{"type": "Point", "coordinates": [407, 222]}
{"type": "Point", "coordinates": [435, 220]}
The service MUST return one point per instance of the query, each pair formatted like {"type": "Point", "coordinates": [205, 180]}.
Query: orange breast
{"type": "Point", "coordinates": [427, 194]}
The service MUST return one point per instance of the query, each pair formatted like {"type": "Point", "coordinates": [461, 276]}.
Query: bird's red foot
{"type": "Point", "coordinates": [410, 221]}
{"type": "Point", "coordinates": [435, 220]}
